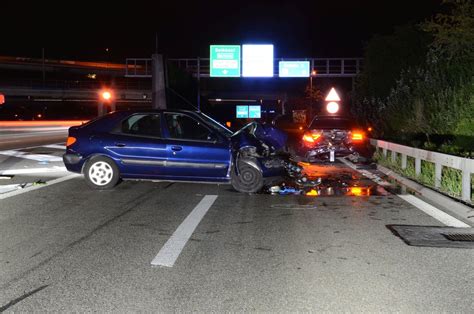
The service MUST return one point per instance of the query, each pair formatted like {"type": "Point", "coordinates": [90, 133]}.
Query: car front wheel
{"type": "Point", "coordinates": [248, 180]}
{"type": "Point", "coordinates": [101, 173]}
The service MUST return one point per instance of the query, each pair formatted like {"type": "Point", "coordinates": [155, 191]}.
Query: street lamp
{"type": "Point", "coordinates": [105, 96]}
{"type": "Point", "coordinates": [313, 73]}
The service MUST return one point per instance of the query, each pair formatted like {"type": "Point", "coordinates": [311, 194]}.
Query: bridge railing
{"type": "Point", "coordinates": [440, 160]}
{"type": "Point", "coordinates": [325, 67]}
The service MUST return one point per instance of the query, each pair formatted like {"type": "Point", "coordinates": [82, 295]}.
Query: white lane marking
{"type": "Point", "coordinates": [62, 147]}
{"type": "Point", "coordinates": [36, 187]}
{"type": "Point", "coordinates": [13, 172]}
{"type": "Point", "coordinates": [170, 251]}
{"type": "Point", "coordinates": [37, 157]}
{"type": "Point", "coordinates": [9, 187]}
{"type": "Point", "coordinates": [434, 212]}
{"type": "Point", "coordinates": [365, 173]}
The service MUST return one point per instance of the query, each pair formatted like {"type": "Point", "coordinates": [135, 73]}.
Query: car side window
{"type": "Point", "coordinates": [142, 124]}
{"type": "Point", "coordinates": [181, 126]}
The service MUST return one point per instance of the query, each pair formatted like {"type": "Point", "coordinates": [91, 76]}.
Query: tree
{"type": "Point", "coordinates": [453, 33]}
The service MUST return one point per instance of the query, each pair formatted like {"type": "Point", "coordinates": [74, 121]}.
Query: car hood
{"type": "Point", "coordinates": [261, 136]}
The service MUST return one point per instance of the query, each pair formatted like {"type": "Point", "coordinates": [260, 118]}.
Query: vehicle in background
{"type": "Point", "coordinates": [328, 137]}
{"type": "Point", "coordinates": [173, 145]}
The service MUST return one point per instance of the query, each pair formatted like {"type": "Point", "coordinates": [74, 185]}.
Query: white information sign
{"type": "Point", "coordinates": [257, 60]}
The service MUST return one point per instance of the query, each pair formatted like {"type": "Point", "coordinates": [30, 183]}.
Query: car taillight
{"type": "Point", "coordinates": [70, 140]}
{"type": "Point", "coordinates": [357, 136]}
{"type": "Point", "coordinates": [311, 138]}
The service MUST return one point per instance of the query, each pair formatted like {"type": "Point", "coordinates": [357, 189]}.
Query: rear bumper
{"type": "Point", "coordinates": [322, 152]}
{"type": "Point", "coordinates": [73, 162]}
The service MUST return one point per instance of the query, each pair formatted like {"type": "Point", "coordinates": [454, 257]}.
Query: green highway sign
{"type": "Point", "coordinates": [293, 68]}
{"type": "Point", "coordinates": [225, 61]}
{"type": "Point", "coordinates": [255, 112]}
{"type": "Point", "coordinates": [242, 112]}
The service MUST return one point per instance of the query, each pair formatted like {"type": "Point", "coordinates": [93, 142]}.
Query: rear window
{"type": "Point", "coordinates": [331, 124]}
{"type": "Point", "coordinates": [142, 124]}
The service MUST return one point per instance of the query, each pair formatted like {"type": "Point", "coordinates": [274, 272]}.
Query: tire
{"type": "Point", "coordinates": [101, 173]}
{"type": "Point", "coordinates": [249, 179]}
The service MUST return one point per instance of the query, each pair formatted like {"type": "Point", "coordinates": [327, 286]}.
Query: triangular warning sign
{"type": "Point", "coordinates": [333, 96]}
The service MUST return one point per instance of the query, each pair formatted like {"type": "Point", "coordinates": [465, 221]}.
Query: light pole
{"type": "Point", "coordinates": [313, 73]}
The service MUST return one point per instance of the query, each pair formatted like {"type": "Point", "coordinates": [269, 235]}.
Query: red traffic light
{"type": "Point", "coordinates": [2, 99]}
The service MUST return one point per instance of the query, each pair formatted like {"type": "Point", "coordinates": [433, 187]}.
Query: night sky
{"type": "Point", "coordinates": [296, 28]}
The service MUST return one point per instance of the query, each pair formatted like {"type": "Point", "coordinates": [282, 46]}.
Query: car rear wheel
{"type": "Point", "coordinates": [248, 180]}
{"type": "Point", "coordinates": [101, 173]}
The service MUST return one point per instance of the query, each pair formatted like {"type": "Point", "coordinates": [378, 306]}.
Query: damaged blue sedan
{"type": "Point", "coordinates": [173, 145]}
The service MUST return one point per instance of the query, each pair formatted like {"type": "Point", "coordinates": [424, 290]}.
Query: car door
{"type": "Point", "coordinates": [138, 145]}
{"type": "Point", "coordinates": [195, 152]}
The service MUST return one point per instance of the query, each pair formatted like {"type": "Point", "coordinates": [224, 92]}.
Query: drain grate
{"type": "Point", "coordinates": [459, 236]}
{"type": "Point", "coordinates": [434, 236]}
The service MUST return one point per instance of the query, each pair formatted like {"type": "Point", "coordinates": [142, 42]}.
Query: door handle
{"type": "Point", "coordinates": [176, 148]}
{"type": "Point", "coordinates": [120, 144]}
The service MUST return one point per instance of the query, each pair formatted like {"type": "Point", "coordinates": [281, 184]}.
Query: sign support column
{"type": "Point", "coordinates": [158, 93]}
{"type": "Point", "coordinates": [199, 84]}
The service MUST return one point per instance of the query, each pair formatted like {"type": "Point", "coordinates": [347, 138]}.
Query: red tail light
{"type": "Point", "coordinates": [357, 136]}
{"type": "Point", "coordinates": [311, 138]}
{"type": "Point", "coordinates": [70, 140]}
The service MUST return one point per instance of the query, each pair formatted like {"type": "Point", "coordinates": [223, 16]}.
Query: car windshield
{"type": "Point", "coordinates": [331, 123]}
{"type": "Point", "coordinates": [216, 125]}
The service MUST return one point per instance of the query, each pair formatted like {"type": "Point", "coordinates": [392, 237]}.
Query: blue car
{"type": "Point", "coordinates": [173, 145]}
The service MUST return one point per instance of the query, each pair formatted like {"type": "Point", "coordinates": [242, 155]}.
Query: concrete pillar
{"type": "Point", "coordinates": [438, 174]}
{"type": "Point", "coordinates": [417, 166]}
{"type": "Point", "coordinates": [158, 92]}
{"type": "Point", "coordinates": [466, 186]}
{"type": "Point", "coordinates": [404, 161]}
{"type": "Point", "coordinates": [394, 156]}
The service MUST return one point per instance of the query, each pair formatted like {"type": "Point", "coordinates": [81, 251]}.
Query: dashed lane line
{"type": "Point", "coordinates": [170, 252]}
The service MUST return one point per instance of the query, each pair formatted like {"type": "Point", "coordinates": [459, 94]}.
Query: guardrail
{"type": "Point", "coordinates": [440, 160]}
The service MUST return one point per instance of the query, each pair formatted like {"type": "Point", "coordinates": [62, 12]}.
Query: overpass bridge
{"type": "Point", "coordinates": [132, 89]}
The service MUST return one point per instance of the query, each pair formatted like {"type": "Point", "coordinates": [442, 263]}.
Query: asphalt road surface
{"type": "Point", "coordinates": [179, 247]}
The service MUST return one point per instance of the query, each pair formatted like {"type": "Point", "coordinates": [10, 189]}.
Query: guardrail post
{"type": "Point", "coordinates": [404, 161]}
{"type": "Point", "coordinates": [384, 150]}
{"type": "Point", "coordinates": [466, 186]}
{"type": "Point", "coordinates": [417, 166]}
{"type": "Point", "coordinates": [394, 156]}
{"type": "Point", "coordinates": [438, 174]}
